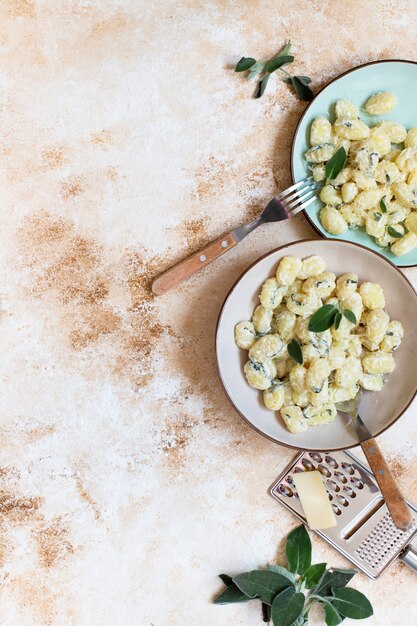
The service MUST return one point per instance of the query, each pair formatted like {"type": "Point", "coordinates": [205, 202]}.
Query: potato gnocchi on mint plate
{"type": "Point", "coordinates": [308, 326]}
{"type": "Point", "coordinates": [358, 137]}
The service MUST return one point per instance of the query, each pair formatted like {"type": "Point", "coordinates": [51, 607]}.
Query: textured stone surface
{"type": "Point", "coordinates": [127, 481]}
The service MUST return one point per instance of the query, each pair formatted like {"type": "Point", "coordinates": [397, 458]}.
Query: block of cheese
{"type": "Point", "coordinates": [314, 500]}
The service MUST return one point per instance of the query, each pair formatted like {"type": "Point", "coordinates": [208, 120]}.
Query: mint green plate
{"type": "Point", "coordinates": [357, 85]}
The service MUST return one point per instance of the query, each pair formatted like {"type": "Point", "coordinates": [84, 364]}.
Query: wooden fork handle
{"type": "Point", "coordinates": [194, 263]}
{"type": "Point", "coordinates": [400, 513]}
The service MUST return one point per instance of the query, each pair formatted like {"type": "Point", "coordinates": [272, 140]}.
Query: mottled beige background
{"type": "Point", "coordinates": [127, 481]}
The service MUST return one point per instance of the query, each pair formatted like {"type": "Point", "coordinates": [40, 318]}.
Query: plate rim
{"type": "Point", "coordinates": [233, 287]}
{"type": "Point", "coordinates": [350, 71]}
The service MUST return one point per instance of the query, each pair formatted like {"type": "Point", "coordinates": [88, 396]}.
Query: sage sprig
{"type": "Point", "coordinates": [327, 315]}
{"type": "Point", "coordinates": [264, 69]}
{"type": "Point", "coordinates": [288, 593]}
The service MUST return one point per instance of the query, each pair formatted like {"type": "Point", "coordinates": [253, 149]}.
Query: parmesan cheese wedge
{"type": "Point", "coordinates": [314, 500]}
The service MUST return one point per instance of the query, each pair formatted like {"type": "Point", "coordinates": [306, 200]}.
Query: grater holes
{"type": "Point", "coordinates": [340, 476]}
{"type": "Point", "coordinates": [297, 470]}
{"type": "Point", "coordinates": [383, 543]}
{"type": "Point", "coordinates": [349, 491]}
{"type": "Point", "coordinates": [331, 461]}
{"type": "Point", "coordinates": [333, 485]}
{"type": "Point", "coordinates": [342, 500]}
{"type": "Point", "coordinates": [324, 470]}
{"type": "Point", "coordinates": [290, 480]}
{"type": "Point", "coordinates": [330, 495]}
{"type": "Point", "coordinates": [285, 490]}
{"type": "Point", "coordinates": [357, 482]}
{"type": "Point", "coordinates": [336, 509]}
{"type": "Point", "coordinates": [348, 467]}
{"type": "Point", "coordinates": [308, 465]}
{"type": "Point", "coordinates": [315, 456]}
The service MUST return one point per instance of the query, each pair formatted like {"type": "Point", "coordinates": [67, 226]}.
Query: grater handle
{"type": "Point", "coordinates": [400, 513]}
{"type": "Point", "coordinates": [409, 556]}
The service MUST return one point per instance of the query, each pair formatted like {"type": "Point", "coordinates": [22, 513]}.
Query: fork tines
{"type": "Point", "coordinates": [299, 196]}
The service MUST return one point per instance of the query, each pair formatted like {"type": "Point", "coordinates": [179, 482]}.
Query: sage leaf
{"type": "Point", "coordinates": [278, 62]}
{"type": "Point", "coordinates": [287, 607]}
{"type": "Point", "coordinates": [350, 315]}
{"type": "Point", "coordinates": [286, 49]}
{"type": "Point", "coordinates": [281, 570]}
{"type": "Point", "coordinates": [266, 613]}
{"type": "Point", "coordinates": [262, 86]}
{"type": "Point", "coordinates": [337, 320]}
{"type": "Point", "coordinates": [263, 584]}
{"type": "Point", "coordinates": [335, 165]}
{"type": "Point", "coordinates": [228, 580]}
{"type": "Point", "coordinates": [394, 233]}
{"type": "Point", "coordinates": [231, 595]}
{"type": "Point", "coordinates": [298, 550]}
{"type": "Point", "coordinates": [382, 205]}
{"type": "Point", "coordinates": [256, 69]}
{"type": "Point", "coordinates": [332, 617]}
{"type": "Point", "coordinates": [305, 80]}
{"type": "Point", "coordinates": [333, 578]}
{"type": "Point", "coordinates": [322, 319]}
{"type": "Point", "coordinates": [313, 574]}
{"type": "Point", "coordinates": [244, 64]}
{"type": "Point", "coordinates": [352, 603]}
{"type": "Point", "coordinates": [301, 89]}
{"type": "Point", "coordinates": [294, 350]}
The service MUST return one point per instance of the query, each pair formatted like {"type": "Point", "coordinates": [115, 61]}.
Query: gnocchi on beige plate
{"type": "Point", "coordinates": [315, 339]}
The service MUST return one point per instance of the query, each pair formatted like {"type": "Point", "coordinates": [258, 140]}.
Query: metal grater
{"type": "Point", "coordinates": [365, 533]}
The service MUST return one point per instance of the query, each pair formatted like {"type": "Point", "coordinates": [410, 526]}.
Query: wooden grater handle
{"type": "Point", "coordinates": [400, 513]}
{"type": "Point", "coordinates": [194, 263]}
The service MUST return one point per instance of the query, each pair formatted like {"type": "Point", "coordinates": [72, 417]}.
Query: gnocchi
{"type": "Point", "coordinates": [377, 188]}
{"type": "Point", "coordinates": [336, 362]}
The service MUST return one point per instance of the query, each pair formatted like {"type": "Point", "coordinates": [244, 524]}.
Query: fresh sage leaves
{"type": "Point", "coordinates": [327, 315]}
{"type": "Point", "coordinates": [294, 350]}
{"type": "Point", "coordinates": [264, 69]}
{"type": "Point", "coordinates": [335, 165]}
{"type": "Point", "coordinates": [244, 64]}
{"type": "Point", "coordinates": [287, 594]}
{"type": "Point", "coordinates": [394, 233]}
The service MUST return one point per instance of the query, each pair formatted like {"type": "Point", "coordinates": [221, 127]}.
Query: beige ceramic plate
{"type": "Point", "coordinates": [380, 409]}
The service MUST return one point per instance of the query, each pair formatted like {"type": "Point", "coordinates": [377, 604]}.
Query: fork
{"type": "Point", "coordinates": [283, 206]}
{"type": "Point", "coordinates": [397, 506]}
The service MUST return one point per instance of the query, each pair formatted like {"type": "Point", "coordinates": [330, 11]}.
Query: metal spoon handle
{"type": "Point", "coordinates": [400, 513]}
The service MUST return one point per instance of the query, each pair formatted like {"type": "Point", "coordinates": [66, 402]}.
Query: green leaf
{"type": "Point", "coordinates": [286, 49]}
{"type": "Point", "coordinates": [313, 574]}
{"type": "Point", "coordinates": [298, 550]}
{"type": "Point", "coordinates": [287, 607]}
{"type": "Point", "coordinates": [231, 595]}
{"type": "Point", "coordinates": [244, 64]}
{"type": "Point", "coordinates": [301, 89]}
{"type": "Point", "coordinates": [305, 80]}
{"type": "Point", "coordinates": [278, 62]}
{"type": "Point", "coordinates": [281, 570]}
{"type": "Point", "coordinates": [349, 315]}
{"type": "Point", "coordinates": [256, 69]}
{"type": "Point", "coordinates": [228, 580]}
{"type": "Point", "coordinates": [332, 617]}
{"type": "Point", "coordinates": [394, 233]}
{"type": "Point", "coordinates": [322, 319]}
{"type": "Point", "coordinates": [333, 578]}
{"type": "Point", "coordinates": [294, 350]}
{"type": "Point", "coordinates": [263, 584]}
{"type": "Point", "coordinates": [262, 86]}
{"type": "Point", "coordinates": [352, 603]}
{"type": "Point", "coordinates": [335, 165]}
{"type": "Point", "coordinates": [337, 320]}
{"type": "Point", "coordinates": [382, 205]}
{"type": "Point", "coordinates": [266, 613]}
